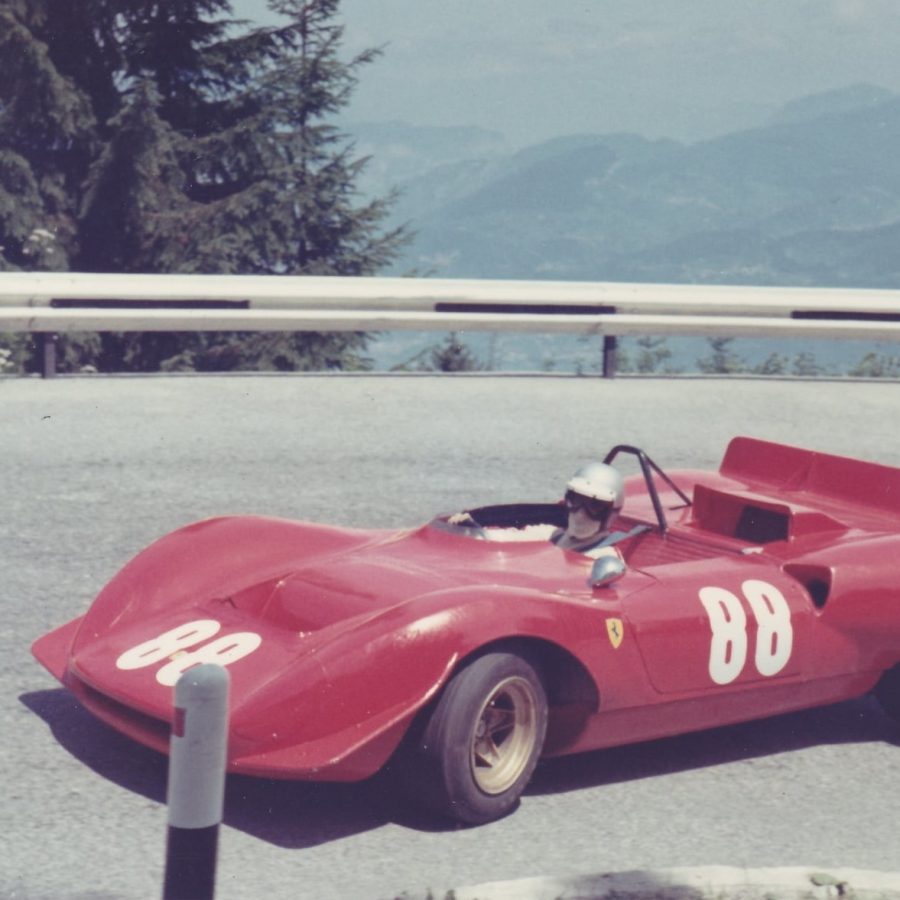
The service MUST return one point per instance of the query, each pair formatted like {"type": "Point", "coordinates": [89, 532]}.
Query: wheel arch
{"type": "Point", "coordinates": [572, 694]}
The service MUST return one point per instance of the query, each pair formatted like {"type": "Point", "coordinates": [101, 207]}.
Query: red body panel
{"type": "Point", "coordinates": [773, 591]}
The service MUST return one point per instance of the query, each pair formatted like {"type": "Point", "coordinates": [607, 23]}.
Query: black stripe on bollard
{"type": "Point", "coordinates": [196, 788]}
{"type": "Point", "coordinates": [191, 863]}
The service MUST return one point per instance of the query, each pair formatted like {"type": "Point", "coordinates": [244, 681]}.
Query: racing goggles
{"type": "Point", "coordinates": [596, 509]}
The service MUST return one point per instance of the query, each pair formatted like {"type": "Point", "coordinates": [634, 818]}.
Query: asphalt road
{"type": "Point", "coordinates": [93, 469]}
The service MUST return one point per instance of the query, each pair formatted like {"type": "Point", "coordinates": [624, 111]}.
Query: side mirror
{"type": "Point", "coordinates": [606, 570]}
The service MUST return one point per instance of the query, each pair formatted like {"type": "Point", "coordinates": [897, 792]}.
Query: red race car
{"type": "Point", "coordinates": [465, 649]}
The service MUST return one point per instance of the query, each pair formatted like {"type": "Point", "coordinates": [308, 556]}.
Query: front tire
{"type": "Point", "coordinates": [483, 739]}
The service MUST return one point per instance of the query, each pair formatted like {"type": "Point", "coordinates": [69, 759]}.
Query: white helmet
{"type": "Point", "coordinates": [596, 482]}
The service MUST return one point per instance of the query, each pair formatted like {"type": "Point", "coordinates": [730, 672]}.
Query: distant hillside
{"type": "Point", "coordinates": [812, 198]}
{"type": "Point", "coordinates": [398, 153]}
{"type": "Point", "coordinates": [847, 99]}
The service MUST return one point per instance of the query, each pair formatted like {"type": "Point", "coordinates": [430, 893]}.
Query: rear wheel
{"type": "Point", "coordinates": [482, 740]}
{"type": "Point", "coordinates": [888, 692]}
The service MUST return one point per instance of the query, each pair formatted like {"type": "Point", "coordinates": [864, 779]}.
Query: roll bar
{"type": "Point", "coordinates": [648, 467]}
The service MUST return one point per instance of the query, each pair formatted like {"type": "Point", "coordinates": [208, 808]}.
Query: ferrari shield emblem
{"type": "Point", "coordinates": [616, 632]}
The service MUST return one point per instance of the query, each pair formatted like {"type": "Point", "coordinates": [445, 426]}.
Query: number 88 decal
{"type": "Point", "coordinates": [171, 646]}
{"type": "Point", "coordinates": [774, 634]}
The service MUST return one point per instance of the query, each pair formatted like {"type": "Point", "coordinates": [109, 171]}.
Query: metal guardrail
{"type": "Point", "coordinates": [52, 302]}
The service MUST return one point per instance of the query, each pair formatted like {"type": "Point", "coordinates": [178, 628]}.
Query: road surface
{"type": "Point", "coordinates": [95, 468]}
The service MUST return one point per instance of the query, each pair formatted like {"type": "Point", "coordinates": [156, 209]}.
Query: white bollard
{"type": "Point", "coordinates": [196, 787]}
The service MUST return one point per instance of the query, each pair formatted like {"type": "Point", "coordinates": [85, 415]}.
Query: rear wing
{"type": "Point", "coordinates": [835, 481]}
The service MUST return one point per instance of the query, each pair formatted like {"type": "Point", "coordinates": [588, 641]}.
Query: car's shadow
{"type": "Point", "coordinates": [854, 721]}
{"type": "Point", "coordinates": [284, 813]}
{"type": "Point", "coordinates": [301, 814]}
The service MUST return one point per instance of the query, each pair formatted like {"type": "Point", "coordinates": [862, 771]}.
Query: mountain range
{"type": "Point", "coordinates": [811, 197]}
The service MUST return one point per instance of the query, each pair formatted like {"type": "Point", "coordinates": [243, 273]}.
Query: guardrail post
{"type": "Point", "coordinates": [48, 354]}
{"type": "Point", "coordinates": [610, 345]}
{"type": "Point", "coordinates": [196, 787]}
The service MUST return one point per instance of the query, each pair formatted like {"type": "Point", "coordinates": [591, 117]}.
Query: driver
{"type": "Point", "coordinates": [594, 496]}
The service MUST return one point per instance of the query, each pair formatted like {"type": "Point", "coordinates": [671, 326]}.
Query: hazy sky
{"type": "Point", "coordinates": [533, 69]}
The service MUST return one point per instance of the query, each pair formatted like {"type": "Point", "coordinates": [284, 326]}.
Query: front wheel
{"type": "Point", "coordinates": [483, 738]}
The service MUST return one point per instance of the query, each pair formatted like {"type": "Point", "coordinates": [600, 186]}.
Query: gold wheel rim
{"type": "Point", "coordinates": [504, 736]}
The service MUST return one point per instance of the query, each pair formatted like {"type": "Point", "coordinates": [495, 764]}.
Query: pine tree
{"type": "Point", "coordinates": [773, 364]}
{"type": "Point", "coordinates": [652, 354]}
{"type": "Point", "coordinates": [722, 360]}
{"type": "Point", "coordinates": [140, 136]}
{"type": "Point", "coordinates": [454, 356]}
{"type": "Point", "coordinates": [47, 135]}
